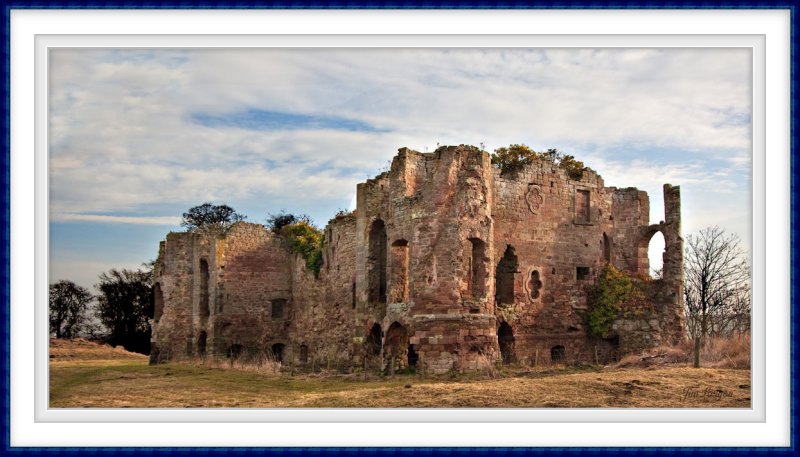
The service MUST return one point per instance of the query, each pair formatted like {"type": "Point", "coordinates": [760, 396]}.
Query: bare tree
{"type": "Point", "coordinates": [717, 291]}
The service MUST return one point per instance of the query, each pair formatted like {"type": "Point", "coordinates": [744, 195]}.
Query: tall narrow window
{"type": "Point", "coordinates": [399, 271]}
{"type": "Point", "coordinates": [606, 248]}
{"type": "Point", "coordinates": [204, 308]}
{"type": "Point", "coordinates": [158, 301]}
{"type": "Point", "coordinates": [504, 277]}
{"type": "Point", "coordinates": [353, 296]}
{"type": "Point", "coordinates": [478, 262]}
{"type": "Point", "coordinates": [582, 206]}
{"type": "Point", "coordinates": [377, 262]}
{"type": "Point", "coordinates": [201, 343]}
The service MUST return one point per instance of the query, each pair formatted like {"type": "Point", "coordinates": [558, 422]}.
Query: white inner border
{"type": "Point", "coordinates": [766, 32]}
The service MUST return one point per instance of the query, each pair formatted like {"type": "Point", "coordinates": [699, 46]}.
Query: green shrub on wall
{"type": "Point", "coordinates": [614, 295]}
{"type": "Point", "coordinates": [515, 157]}
{"type": "Point", "coordinates": [306, 240]}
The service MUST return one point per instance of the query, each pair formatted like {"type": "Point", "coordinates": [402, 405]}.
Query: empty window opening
{"type": "Point", "coordinates": [303, 353]}
{"type": "Point", "coordinates": [582, 273]}
{"type": "Point", "coordinates": [353, 296]}
{"type": "Point", "coordinates": [504, 277]}
{"type": "Point", "coordinates": [374, 340]}
{"type": "Point", "coordinates": [413, 357]}
{"type": "Point", "coordinates": [558, 354]}
{"type": "Point", "coordinates": [201, 343]}
{"type": "Point", "coordinates": [535, 285]}
{"type": "Point", "coordinates": [377, 262]}
{"type": "Point", "coordinates": [158, 302]}
{"type": "Point", "coordinates": [505, 338]}
{"type": "Point", "coordinates": [478, 273]}
{"type": "Point", "coordinates": [399, 270]}
{"type": "Point", "coordinates": [655, 255]}
{"type": "Point", "coordinates": [204, 308]}
{"type": "Point", "coordinates": [234, 351]}
{"type": "Point", "coordinates": [278, 308]}
{"type": "Point", "coordinates": [582, 206]}
{"type": "Point", "coordinates": [276, 352]}
{"type": "Point", "coordinates": [606, 248]}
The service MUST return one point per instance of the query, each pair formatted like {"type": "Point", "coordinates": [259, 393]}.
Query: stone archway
{"type": "Point", "coordinates": [395, 347]}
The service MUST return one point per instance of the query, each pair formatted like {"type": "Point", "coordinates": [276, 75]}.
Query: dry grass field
{"type": "Point", "coordinates": [85, 374]}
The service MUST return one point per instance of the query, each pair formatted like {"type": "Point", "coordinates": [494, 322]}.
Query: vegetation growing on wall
{"type": "Point", "coordinates": [614, 295]}
{"type": "Point", "coordinates": [306, 240]}
{"type": "Point", "coordinates": [515, 157]}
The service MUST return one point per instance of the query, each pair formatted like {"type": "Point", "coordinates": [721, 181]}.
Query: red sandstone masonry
{"type": "Point", "coordinates": [419, 258]}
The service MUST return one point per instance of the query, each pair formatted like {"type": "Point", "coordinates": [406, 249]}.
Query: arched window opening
{"type": "Point", "coordinates": [655, 255]}
{"type": "Point", "coordinates": [277, 352]}
{"type": "Point", "coordinates": [399, 270]}
{"type": "Point", "coordinates": [606, 248]}
{"type": "Point", "coordinates": [478, 262]}
{"type": "Point", "coordinates": [158, 302]}
{"type": "Point", "coordinates": [201, 343]}
{"type": "Point", "coordinates": [204, 295]}
{"type": "Point", "coordinates": [504, 277]}
{"type": "Point", "coordinates": [505, 339]}
{"type": "Point", "coordinates": [374, 340]}
{"type": "Point", "coordinates": [377, 262]}
{"type": "Point", "coordinates": [558, 354]}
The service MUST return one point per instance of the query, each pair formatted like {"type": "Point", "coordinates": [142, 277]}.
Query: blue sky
{"type": "Point", "coordinates": [139, 136]}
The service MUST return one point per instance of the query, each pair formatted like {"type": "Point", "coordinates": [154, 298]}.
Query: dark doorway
{"type": "Point", "coordinates": [374, 340]}
{"type": "Point", "coordinates": [303, 353]}
{"type": "Point", "coordinates": [558, 354]}
{"type": "Point", "coordinates": [201, 343]}
{"type": "Point", "coordinates": [504, 277]}
{"type": "Point", "coordinates": [505, 338]}
{"type": "Point", "coordinates": [413, 357]}
{"type": "Point", "coordinates": [277, 352]}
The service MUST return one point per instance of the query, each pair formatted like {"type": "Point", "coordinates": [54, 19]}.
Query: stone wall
{"type": "Point", "coordinates": [447, 264]}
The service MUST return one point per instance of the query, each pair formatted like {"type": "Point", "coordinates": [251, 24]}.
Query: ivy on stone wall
{"type": "Point", "coordinates": [306, 240]}
{"type": "Point", "coordinates": [614, 295]}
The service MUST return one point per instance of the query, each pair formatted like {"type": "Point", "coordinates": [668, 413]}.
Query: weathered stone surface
{"type": "Point", "coordinates": [446, 264]}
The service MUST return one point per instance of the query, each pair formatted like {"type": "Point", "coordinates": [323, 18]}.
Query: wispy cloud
{"type": "Point", "coordinates": [108, 219]}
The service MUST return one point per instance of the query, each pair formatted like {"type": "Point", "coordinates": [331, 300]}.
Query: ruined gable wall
{"type": "Point", "coordinates": [544, 215]}
{"type": "Point", "coordinates": [252, 269]}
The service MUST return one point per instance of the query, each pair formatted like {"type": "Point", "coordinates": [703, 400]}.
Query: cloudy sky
{"type": "Point", "coordinates": [138, 136]}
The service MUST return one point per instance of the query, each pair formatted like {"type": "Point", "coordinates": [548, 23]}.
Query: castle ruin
{"type": "Point", "coordinates": [445, 263]}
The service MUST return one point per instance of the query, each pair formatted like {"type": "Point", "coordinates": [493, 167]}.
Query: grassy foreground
{"type": "Point", "coordinates": [84, 374]}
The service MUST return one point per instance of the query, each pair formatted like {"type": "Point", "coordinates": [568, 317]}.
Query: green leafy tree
{"type": "Point", "coordinates": [68, 306]}
{"type": "Point", "coordinates": [208, 217]}
{"type": "Point", "coordinates": [125, 306]}
{"type": "Point", "coordinates": [513, 158]}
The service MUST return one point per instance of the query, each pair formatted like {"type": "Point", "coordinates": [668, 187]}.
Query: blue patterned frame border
{"type": "Point", "coordinates": [5, 432]}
